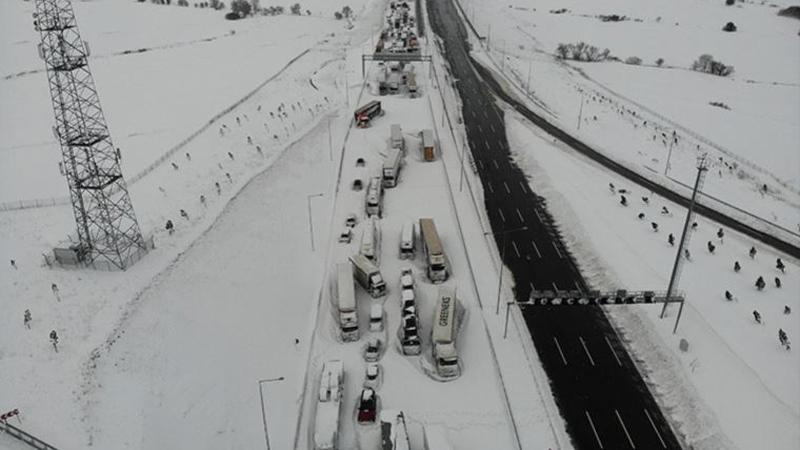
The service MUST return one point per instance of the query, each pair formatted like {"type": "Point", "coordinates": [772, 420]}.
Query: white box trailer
{"type": "Point", "coordinates": [397, 140]}
{"type": "Point", "coordinates": [329, 405]}
{"type": "Point", "coordinates": [368, 275]}
{"type": "Point", "coordinates": [444, 333]}
{"type": "Point", "coordinates": [428, 145]}
{"type": "Point", "coordinates": [391, 167]}
{"type": "Point", "coordinates": [407, 239]}
{"type": "Point", "coordinates": [371, 240]}
{"type": "Point", "coordinates": [435, 257]}
{"type": "Point", "coordinates": [346, 298]}
{"type": "Point", "coordinates": [373, 201]}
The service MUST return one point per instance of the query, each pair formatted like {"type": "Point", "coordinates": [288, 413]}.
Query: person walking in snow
{"type": "Point", "coordinates": [728, 296]}
{"type": "Point", "coordinates": [184, 214]}
{"type": "Point", "coordinates": [623, 201]}
{"type": "Point", "coordinates": [784, 339]}
{"type": "Point", "coordinates": [654, 226]}
{"type": "Point", "coordinates": [249, 140]}
{"type": "Point", "coordinates": [671, 240]}
{"type": "Point", "coordinates": [760, 283]}
{"type": "Point", "coordinates": [646, 200]}
{"type": "Point", "coordinates": [753, 252]}
{"type": "Point", "coordinates": [736, 266]}
{"type": "Point", "coordinates": [54, 340]}
{"type": "Point", "coordinates": [720, 235]}
{"type": "Point", "coordinates": [777, 282]}
{"type": "Point", "coordinates": [756, 316]}
{"type": "Point", "coordinates": [230, 155]}
{"type": "Point", "coordinates": [641, 216]}
{"type": "Point", "coordinates": [170, 227]}
{"type": "Point", "coordinates": [258, 149]}
{"type": "Point", "coordinates": [665, 211]}
{"type": "Point", "coordinates": [54, 288]}
{"type": "Point", "coordinates": [228, 176]}
{"type": "Point", "coordinates": [711, 247]}
{"type": "Point", "coordinates": [14, 264]}
{"type": "Point", "coordinates": [786, 309]}
{"type": "Point", "coordinates": [612, 188]}
{"type": "Point", "coordinates": [203, 199]}
{"type": "Point", "coordinates": [780, 266]}
{"type": "Point", "coordinates": [219, 189]}
{"type": "Point", "coordinates": [188, 156]}
{"type": "Point", "coordinates": [686, 254]}
{"type": "Point", "coordinates": [26, 319]}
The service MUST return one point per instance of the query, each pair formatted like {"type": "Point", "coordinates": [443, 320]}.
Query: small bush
{"type": "Point", "coordinates": [582, 51]}
{"type": "Point", "coordinates": [634, 60]}
{"type": "Point", "coordinates": [729, 27]}
{"type": "Point", "coordinates": [295, 9]}
{"type": "Point", "coordinates": [707, 64]}
{"type": "Point", "coordinates": [347, 11]}
{"type": "Point", "coordinates": [337, 15]}
{"type": "Point", "coordinates": [730, 2]}
{"type": "Point", "coordinates": [232, 16]}
{"type": "Point", "coordinates": [660, 62]}
{"type": "Point", "coordinates": [792, 11]}
{"type": "Point", "coordinates": [241, 7]}
{"type": "Point", "coordinates": [720, 105]}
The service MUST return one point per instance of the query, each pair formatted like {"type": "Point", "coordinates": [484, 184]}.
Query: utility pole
{"type": "Point", "coordinates": [463, 149]}
{"type": "Point", "coordinates": [310, 222]}
{"type": "Point", "coordinates": [330, 141]}
{"type": "Point", "coordinates": [702, 167]}
{"type": "Point", "coordinates": [263, 410]}
{"type": "Point", "coordinates": [580, 112]}
{"type": "Point", "coordinates": [669, 155]}
{"type": "Point", "coordinates": [528, 84]}
{"type": "Point", "coordinates": [502, 261]}
{"type": "Point", "coordinates": [503, 65]}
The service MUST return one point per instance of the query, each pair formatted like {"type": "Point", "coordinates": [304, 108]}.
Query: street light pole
{"type": "Point", "coordinates": [580, 112]}
{"type": "Point", "coordinates": [502, 262]}
{"type": "Point", "coordinates": [330, 141]}
{"type": "Point", "coordinates": [263, 410]}
{"type": "Point", "coordinates": [528, 84]}
{"type": "Point", "coordinates": [310, 222]}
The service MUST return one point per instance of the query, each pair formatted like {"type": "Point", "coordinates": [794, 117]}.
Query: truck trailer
{"type": "Point", "coordinates": [396, 137]}
{"type": "Point", "coordinates": [329, 406]}
{"type": "Point", "coordinates": [428, 145]}
{"type": "Point", "coordinates": [435, 258]}
{"type": "Point", "coordinates": [346, 296]}
{"type": "Point", "coordinates": [371, 240]}
{"type": "Point", "coordinates": [366, 113]}
{"type": "Point", "coordinates": [373, 201]}
{"type": "Point", "coordinates": [368, 275]}
{"type": "Point", "coordinates": [391, 167]}
{"type": "Point", "coordinates": [445, 331]}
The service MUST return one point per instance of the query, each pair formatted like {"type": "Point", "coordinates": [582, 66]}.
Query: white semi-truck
{"type": "Point", "coordinates": [407, 239]}
{"type": "Point", "coordinates": [435, 258]}
{"type": "Point", "coordinates": [368, 275]}
{"type": "Point", "coordinates": [391, 167]}
{"type": "Point", "coordinates": [329, 405]}
{"type": "Point", "coordinates": [373, 201]}
{"type": "Point", "coordinates": [445, 331]}
{"type": "Point", "coordinates": [371, 240]}
{"type": "Point", "coordinates": [397, 140]}
{"type": "Point", "coordinates": [346, 296]}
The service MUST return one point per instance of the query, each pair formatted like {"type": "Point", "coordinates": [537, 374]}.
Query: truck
{"type": "Point", "coordinates": [396, 137]}
{"type": "Point", "coordinates": [411, 82]}
{"type": "Point", "coordinates": [428, 145]}
{"type": "Point", "coordinates": [346, 297]}
{"type": "Point", "coordinates": [435, 258]}
{"type": "Point", "coordinates": [443, 335]}
{"type": "Point", "coordinates": [329, 405]}
{"type": "Point", "coordinates": [407, 241]}
{"type": "Point", "coordinates": [368, 275]}
{"type": "Point", "coordinates": [373, 201]}
{"type": "Point", "coordinates": [366, 113]}
{"type": "Point", "coordinates": [391, 167]}
{"type": "Point", "coordinates": [371, 240]}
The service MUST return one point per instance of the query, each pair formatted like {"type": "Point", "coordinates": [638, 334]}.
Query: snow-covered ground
{"type": "Point", "coordinates": [626, 108]}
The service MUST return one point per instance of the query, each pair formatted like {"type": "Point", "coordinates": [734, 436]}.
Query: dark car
{"type": "Point", "coordinates": [367, 406]}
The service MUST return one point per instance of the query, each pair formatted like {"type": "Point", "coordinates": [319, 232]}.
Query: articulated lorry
{"type": "Point", "coordinates": [329, 406]}
{"type": "Point", "coordinates": [368, 275]}
{"type": "Point", "coordinates": [373, 201]}
{"type": "Point", "coordinates": [445, 331]}
{"type": "Point", "coordinates": [366, 113]}
{"type": "Point", "coordinates": [396, 139]}
{"type": "Point", "coordinates": [391, 167]}
{"type": "Point", "coordinates": [346, 296]}
{"type": "Point", "coordinates": [434, 251]}
{"type": "Point", "coordinates": [371, 240]}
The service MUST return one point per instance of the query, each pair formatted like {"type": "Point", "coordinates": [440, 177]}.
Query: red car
{"type": "Point", "coordinates": [367, 406]}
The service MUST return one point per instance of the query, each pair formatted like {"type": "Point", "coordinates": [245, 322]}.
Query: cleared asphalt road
{"type": "Point", "coordinates": [596, 386]}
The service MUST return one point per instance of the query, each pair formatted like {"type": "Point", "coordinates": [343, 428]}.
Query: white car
{"type": "Point", "coordinates": [406, 278]}
{"type": "Point", "coordinates": [372, 352]}
{"type": "Point", "coordinates": [372, 375]}
{"type": "Point", "coordinates": [376, 317]}
{"type": "Point", "coordinates": [346, 235]}
{"type": "Point", "coordinates": [351, 220]}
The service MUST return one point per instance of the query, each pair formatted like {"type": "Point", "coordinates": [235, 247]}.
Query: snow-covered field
{"type": "Point", "coordinates": [626, 108]}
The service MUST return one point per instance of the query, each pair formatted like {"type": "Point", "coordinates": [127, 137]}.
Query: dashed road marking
{"type": "Point", "coordinates": [519, 214]}
{"type": "Point", "coordinates": [619, 363]}
{"type": "Point", "coordinates": [501, 215]}
{"type": "Point", "coordinates": [586, 349]}
{"type": "Point", "coordinates": [505, 185]}
{"type": "Point", "coordinates": [663, 444]}
{"type": "Point", "coordinates": [522, 187]}
{"type": "Point", "coordinates": [489, 187]}
{"type": "Point", "coordinates": [536, 249]}
{"type": "Point", "coordinates": [625, 429]}
{"type": "Point", "coordinates": [557, 250]}
{"type": "Point", "coordinates": [516, 250]}
{"type": "Point", "coordinates": [596, 436]}
{"type": "Point", "coordinates": [558, 346]}
{"type": "Point", "coordinates": [495, 164]}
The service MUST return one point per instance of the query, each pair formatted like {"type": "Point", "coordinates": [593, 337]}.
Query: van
{"type": "Point", "coordinates": [407, 241]}
{"type": "Point", "coordinates": [376, 317]}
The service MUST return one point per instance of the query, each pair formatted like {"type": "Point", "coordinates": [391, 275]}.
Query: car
{"type": "Point", "coordinates": [410, 322]}
{"type": "Point", "coordinates": [406, 278]}
{"type": "Point", "coordinates": [367, 406]}
{"type": "Point", "coordinates": [376, 317]}
{"type": "Point", "coordinates": [358, 184]}
{"type": "Point", "coordinates": [360, 162]}
{"type": "Point", "coordinates": [407, 296]}
{"type": "Point", "coordinates": [372, 352]}
{"type": "Point", "coordinates": [346, 235]}
{"type": "Point", "coordinates": [351, 220]}
{"type": "Point", "coordinates": [372, 375]}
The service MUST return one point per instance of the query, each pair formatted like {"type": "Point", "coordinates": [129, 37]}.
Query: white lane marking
{"type": "Point", "coordinates": [558, 346]}
{"type": "Point", "coordinates": [486, 143]}
{"type": "Point", "coordinates": [501, 214]}
{"type": "Point", "coordinates": [586, 349]}
{"type": "Point", "coordinates": [555, 286]}
{"type": "Point", "coordinates": [505, 185]}
{"type": "Point", "coordinates": [495, 164]}
{"type": "Point", "coordinates": [519, 214]}
{"type": "Point", "coordinates": [485, 115]}
{"type": "Point", "coordinates": [619, 363]}
{"type": "Point", "coordinates": [533, 288]}
{"type": "Point", "coordinates": [538, 253]}
{"type": "Point", "coordinates": [489, 187]}
{"type": "Point", "coordinates": [538, 216]}
{"type": "Point", "coordinates": [479, 163]}
{"type": "Point", "coordinates": [522, 186]}
{"type": "Point", "coordinates": [624, 428]}
{"type": "Point", "coordinates": [557, 250]}
{"type": "Point", "coordinates": [516, 250]}
{"type": "Point", "coordinates": [480, 130]}
{"type": "Point", "coordinates": [492, 127]}
{"type": "Point", "coordinates": [596, 436]}
{"type": "Point", "coordinates": [577, 288]}
{"type": "Point", "coordinates": [663, 444]}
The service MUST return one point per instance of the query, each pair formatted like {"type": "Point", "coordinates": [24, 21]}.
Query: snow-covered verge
{"type": "Point", "coordinates": [630, 112]}
{"type": "Point", "coordinates": [736, 387]}
{"type": "Point", "coordinates": [63, 396]}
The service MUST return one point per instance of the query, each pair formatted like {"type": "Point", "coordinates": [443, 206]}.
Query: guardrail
{"type": "Point", "coordinates": [25, 437]}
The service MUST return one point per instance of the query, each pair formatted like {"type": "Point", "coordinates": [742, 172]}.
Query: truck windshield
{"type": "Point", "coordinates": [437, 267]}
{"type": "Point", "coordinates": [447, 362]}
{"type": "Point", "coordinates": [350, 328]}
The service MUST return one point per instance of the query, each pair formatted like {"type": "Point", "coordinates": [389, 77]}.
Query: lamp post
{"type": "Point", "coordinates": [502, 261]}
{"type": "Point", "coordinates": [310, 222]}
{"type": "Point", "coordinates": [263, 411]}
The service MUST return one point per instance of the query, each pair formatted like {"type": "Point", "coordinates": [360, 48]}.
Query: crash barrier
{"type": "Point", "coordinates": [25, 437]}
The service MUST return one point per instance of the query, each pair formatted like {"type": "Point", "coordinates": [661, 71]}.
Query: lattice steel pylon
{"type": "Point", "coordinates": [106, 223]}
